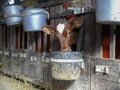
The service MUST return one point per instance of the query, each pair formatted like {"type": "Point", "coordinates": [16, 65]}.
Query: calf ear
{"type": "Point", "coordinates": [48, 29]}
{"type": "Point", "coordinates": [77, 22]}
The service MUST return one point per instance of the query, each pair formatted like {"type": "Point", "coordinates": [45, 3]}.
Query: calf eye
{"type": "Point", "coordinates": [68, 33]}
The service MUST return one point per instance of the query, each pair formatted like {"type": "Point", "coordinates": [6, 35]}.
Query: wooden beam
{"type": "Point", "coordinates": [52, 3]}
{"type": "Point", "coordinates": [0, 36]}
{"type": "Point", "coordinates": [98, 40]}
{"type": "Point", "coordinates": [89, 34]}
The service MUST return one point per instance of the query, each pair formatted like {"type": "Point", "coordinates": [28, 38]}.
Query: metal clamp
{"type": "Point", "coordinates": [102, 69]}
{"type": "Point", "coordinates": [6, 53]}
{"type": "Point", "coordinates": [33, 58]}
{"type": "Point", "coordinates": [44, 58]}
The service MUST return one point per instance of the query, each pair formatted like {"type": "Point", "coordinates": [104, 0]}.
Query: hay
{"type": "Point", "coordinates": [78, 3]}
{"type": "Point", "coordinates": [7, 83]}
{"type": "Point", "coordinates": [29, 3]}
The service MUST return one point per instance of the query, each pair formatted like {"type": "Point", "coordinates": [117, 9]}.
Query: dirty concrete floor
{"type": "Point", "coordinates": [7, 83]}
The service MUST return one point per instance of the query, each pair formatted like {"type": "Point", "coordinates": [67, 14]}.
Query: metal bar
{"type": "Point", "coordinates": [112, 41]}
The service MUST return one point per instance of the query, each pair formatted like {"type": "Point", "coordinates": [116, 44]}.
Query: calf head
{"type": "Point", "coordinates": [64, 32]}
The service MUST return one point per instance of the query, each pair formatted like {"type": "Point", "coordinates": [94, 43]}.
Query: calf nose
{"type": "Point", "coordinates": [66, 49]}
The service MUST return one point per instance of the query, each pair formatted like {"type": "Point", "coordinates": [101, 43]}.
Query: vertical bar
{"type": "Point", "coordinates": [48, 43]}
{"type": "Point", "coordinates": [11, 37]}
{"type": "Point", "coordinates": [39, 41]}
{"type": "Point", "coordinates": [3, 36]}
{"type": "Point", "coordinates": [92, 31]}
{"type": "Point", "coordinates": [45, 42]}
{"type": "Point", "coordinates": [80, 39]}
{"type": "Point", "coordinates": [28, 41]}
{"type": "Point", "coordinates": [98, 40]}
{"type": "Point", "coordinates": [6, 41]}
{"type": "Point", "coordinates": [48, 40]}
{"type": "Point", "coordinates": [21, 37]}
{"type": "Point", "coordinates": [31, 41]}
{"type": "Point", "coordinates": [8, 37]}
{"type": "Point", "coordinates": [89, 29]}
{"type": "Point", "coordinates": [51, 36]}
{"type": "Point", "coordinates": [16, 34]}
{"type": "Point", "coordinates": [36, 41]}
{"type": "Point", "coordinates": [25, 40]}
{"type": "Point", "coordinates": [117, 43]}
{"type": "Point", "coordinates": [14, 39]}
{"type": "Point", "coordinates": [112, 41]}
{"type": "Point", "coordinates": [106, 41]}
{"type": "Point", "coordinates": [19, 30]}
{"type": "Point", "coordinates": [0, 35]}
{"type": "Point", "coordinates": [42, 41]}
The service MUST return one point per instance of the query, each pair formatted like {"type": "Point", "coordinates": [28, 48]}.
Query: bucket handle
{"type": "Point", "coordinates": [48, 16]}
{"type": "Point", "coordinates": [12, 15]}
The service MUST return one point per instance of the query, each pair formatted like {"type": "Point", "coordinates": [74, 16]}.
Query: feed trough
{"type": "Point", "coordinates": [66, 65]}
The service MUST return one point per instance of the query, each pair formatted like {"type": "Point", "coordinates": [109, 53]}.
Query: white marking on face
{"type": "Point", "coordinates": [60, 27]}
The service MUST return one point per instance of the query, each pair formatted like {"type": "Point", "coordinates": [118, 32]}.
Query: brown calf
{"type": "Point", "coordinates": [64, 32]}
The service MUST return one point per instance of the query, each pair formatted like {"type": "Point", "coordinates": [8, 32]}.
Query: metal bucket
{"type": "Point", "coordinates": [12, 14]}
{"type": "Point", "coordinates": [34, 19]}
{"type": "Point", "coordinates": [66, 65]}
{"type": "Point", "coordinates": [107, 11]}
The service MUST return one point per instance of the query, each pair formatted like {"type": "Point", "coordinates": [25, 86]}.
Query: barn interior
{"type": "Point", "coordinates": [33, 57]}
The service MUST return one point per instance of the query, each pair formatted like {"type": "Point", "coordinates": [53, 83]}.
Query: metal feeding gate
{"type": "Point", "coordinates": [26, 58]}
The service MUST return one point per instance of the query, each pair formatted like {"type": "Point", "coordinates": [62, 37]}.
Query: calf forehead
{"type": "Point", "coordinates": [61, 27]}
